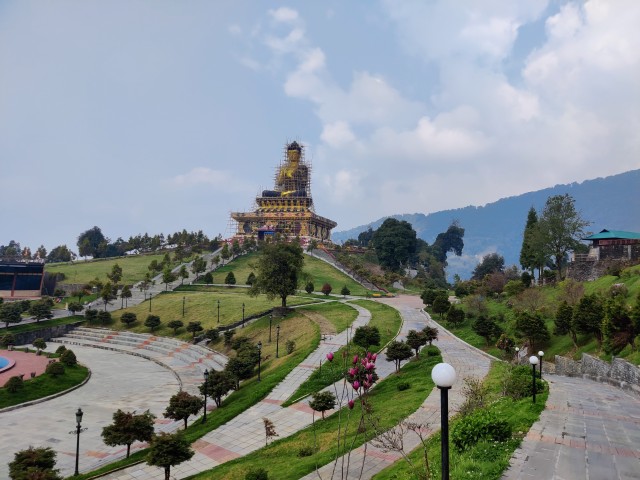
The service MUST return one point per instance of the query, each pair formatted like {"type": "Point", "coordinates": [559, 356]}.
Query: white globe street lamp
{"type": "Point", "coordinates": [444, 376]}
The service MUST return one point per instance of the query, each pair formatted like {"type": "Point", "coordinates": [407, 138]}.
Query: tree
{"type": "Point", "coordinates": [152, 321]}
{"type": "Point", "coordinates": [235, 247]}
{"type": "Point", "coordinates": [441, 304]}
{"type": "Point", "coordinates": [34, 464]}
{"type": "Point", "coordinates": [104, 317]}
{"type": "Point", "coordinates": [279, 269]}
{"type": "Point", "coordinates": [183, 273]}
{"type": "Point", "coordinates": [490, 263]}
{"type": "Point", "coordinates": [225, 253]}
{"type": "Point", "coordinates": [366, 336]}
{"type": "Point", "coordinates": [219, 384]}
{"type": "Point", "coordinates": [251, 278]}
{"type": "Point", "coordinates": [618, 327]}
{"type": "Point", "coordinates": [10, 312]}
{"type": "Point", "coordinates": [90, 315]}
{"type": "Point", "coordinates": [430, 333]}
{"type": "Point", "coordinates": [564, 322]}
{"type": "Point", "coordinates": [14, 384]}
{"type": "Point", "coordinates": [55, 369]}
{"type": "Point", "coordinates": [198, 266]}
{"type": "Point", "coordinates": [68, 358]}
{"type": "Point", "coordinates": [167, 276]}
{"type": "Point", "coordinates": [182, 405]}
{"type": "Point", "coordinates": [194, 327]}
{"type": "Point", "coordinates": [345, 291]}
{"type": "Point", "coordinates": [107, 294]}
{"type": "Point", "coordinates": [230, 279]}
{"type": "Point", "coordinates": [309, 288]}
{"type": "Point", "coordinates": [532, 327]}
{"type": "Point", "coordinates": [175, 324]}
{"type": "Point", "coordinates": [588, 315]}
{"type": "Point", "coordinates": [61, 253]}
{"type": "Point", "coordinates": [128, 318]}
{"type": "Point", "coordinates": [455, 316]}
{"type": "Point", "coordinates": [115, 275]}
{"type": "Point", "coordinates": [562, 227]}
{"type": "Point", "coordinates": [395, 243]}
{"type": "Point", "coordinates": [322, 401]}
{"type": "Point", "coordinates": [241, 366]}
{"type": "Point", "coordinates": [208, 278]}
{"type": "Point", "coordinates": [40, 310]}
{"type": "Point", "coordinates": [531, 252]}
{"type": "Point", "coordinates": [269, 430]}
{"type": "Point", "coordinates": [90, 242]}
{"type": "Point", "coordinates": [397, 352]}
{"type": "Point", "coordinates": [40, 344]}
{"type": "Point", "coordinates": [487, 328]}
{"type": "Point", "coordinates": [326, 289]}
{"type": "Point", "coordinates": [167, 450]}
{"type": "Point", "coordinates": [126, 294]}
{"type": "Point", "coordinates": [128, 428]}
{"type": "Point", "coordinates": [75, 307]}
{"type": "Point", "coordinates": [416, 340]}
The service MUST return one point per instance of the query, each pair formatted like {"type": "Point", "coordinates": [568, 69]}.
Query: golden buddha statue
{"type": "Point", "coordinates": [293, 177]}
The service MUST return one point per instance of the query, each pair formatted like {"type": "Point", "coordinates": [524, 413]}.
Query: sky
{"type": "Point", "coordinates": [154, 116]}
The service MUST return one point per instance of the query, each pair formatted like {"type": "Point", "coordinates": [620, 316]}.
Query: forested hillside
{"type": "Point", "coordinates": [612, 202]}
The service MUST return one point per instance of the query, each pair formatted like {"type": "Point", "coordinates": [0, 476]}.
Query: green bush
{"type": "Point", "coordinates": [306, 451]}
{"type": "Point", "coordinates": [403, 386]}
{"type": "Point", "coordinates": [518, 383]}
{"type": "Point", "coordinates": [257, 474]}
{"type": "Point", "coordinates": [290, 346]}
{"type": "Point", "coordinates": [480, 425]}
{"type": "Point", "coordinates": [68, 358]}
{"type": "Point", "coordinates": [431, 351]}
{"type": "Point", "coordinates": [14, 384]}
{"type": "Point", "coordinates": [55, 369]}
{"type": "Point", "coordinates": [61, 349]}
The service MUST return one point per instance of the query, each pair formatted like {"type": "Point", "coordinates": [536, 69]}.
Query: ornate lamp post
{"type": "Point", "coordinates": [183, 300]}
{"type": "Point", "coordinates": [206, 387]}
{"type": "Point", "coordinates": [540, 355]}
{"type": "Point", "coordinates": [77, 432]}
{"type": "Point", "coordinates": [533, 360]}
{"type": "Point", "coordinates": [242, 314]}
{"type": "Point", "coordinates": [277, 339]}
{"type": "Point", "coordinates": [149, 301]}
{"type": "Point", "coordinates": [259, 358]}
{"type": "Point", "coordinates": [270, 320]}
{"type": "Point", "coordinates": [218, 311]}
{"type": "Point", "coordinates": [444, 376]}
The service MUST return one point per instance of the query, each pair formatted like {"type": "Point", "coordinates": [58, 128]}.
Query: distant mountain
{"type": "Point", "coordinates": [611, 202]}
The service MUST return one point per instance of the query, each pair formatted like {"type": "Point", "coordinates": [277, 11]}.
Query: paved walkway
{"type": "Point", "coordinates": [467, 361]}
{"type": "Point", "coordinates": [588, 431]}
{"type": "Point", "coordinates": [118, 381]}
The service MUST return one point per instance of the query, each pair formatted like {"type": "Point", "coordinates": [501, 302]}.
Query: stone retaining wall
{"type": "Point", "coordinates": [27, 338]}
{"type": "Point", "coordinates": [619, 373]}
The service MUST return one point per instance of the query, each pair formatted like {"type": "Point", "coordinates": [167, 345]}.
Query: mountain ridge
{"type": "Point", "coordinates": [611, 202]}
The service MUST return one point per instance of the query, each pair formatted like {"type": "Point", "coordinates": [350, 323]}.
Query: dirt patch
{"type": "Point", "coordinates": [326, 327]}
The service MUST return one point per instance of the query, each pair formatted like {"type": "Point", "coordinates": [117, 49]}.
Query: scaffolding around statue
{"type": "Point", "coordinates": [286, 210]}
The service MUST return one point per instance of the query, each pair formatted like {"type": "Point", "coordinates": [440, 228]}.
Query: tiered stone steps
{"type": "Point", "coordinates": [187, 361]}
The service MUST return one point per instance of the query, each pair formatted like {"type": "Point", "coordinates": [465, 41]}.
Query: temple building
{"type": "Point", "coordinates": [288, 208]}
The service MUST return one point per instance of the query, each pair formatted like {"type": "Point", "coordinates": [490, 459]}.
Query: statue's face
{"type": "Point", "coordinates": [293, 155]}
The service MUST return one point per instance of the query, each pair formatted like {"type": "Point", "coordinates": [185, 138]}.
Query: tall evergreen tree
{"type": "Point", "coordinates": [528, 254]}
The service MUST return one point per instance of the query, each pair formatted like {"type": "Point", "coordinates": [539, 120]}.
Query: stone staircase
{"type": "Point", "coordinates": [187, 361]}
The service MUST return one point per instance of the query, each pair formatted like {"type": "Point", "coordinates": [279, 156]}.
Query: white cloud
{"type": "Point", "coordinates": [337, 134]}
{"type": "Point", "coordinates": [284, 15]}
{"type": "Point", "coordinates": [202, 176]}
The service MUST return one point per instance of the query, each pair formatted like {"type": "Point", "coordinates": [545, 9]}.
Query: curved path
{"type": "Point", "coordinates": [588, 430]}
{"type": "Point", "coordinates": [117, 381]}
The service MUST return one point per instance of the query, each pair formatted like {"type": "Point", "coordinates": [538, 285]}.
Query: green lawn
{"type": "Point", "coordinates": [388, 321]}
{"type": "Point", "coordinates": [486, 460]}
{"type": "Point", "coordinates": [43, 386]}
{"type": "Point", "coordinates": [339, 314]}
{"type": "Point", "coordinates": [134, 268]}
{"type": "Point", "coordinates": [199, 306]}
{"type": "Point", "coordinates": [389, 405]}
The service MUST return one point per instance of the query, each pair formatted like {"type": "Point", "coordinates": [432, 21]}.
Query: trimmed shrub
{"type": "Point", "coordinates": [480, 425]}
{"type": "Point", "coordinates": [257, 474]}
{"type": "Point", "coordinates": [306, 451]}
{"type": "Point", "coordinates": [61, 349]}
{"type": "Point", "coordinates": [290, 346]}
{"type": "Point", "coordinates": [518, 383]}
{"type": "Point", "coordinates": [431, 351]}
{"type": "Point", "coordinates": [403, 386]}
{"type": "Point", "coordinates": [55, 369]}
{"type": "Point", "coordinates": [69, 358]}
{"type": "Point", "coordinates": [14, 384]}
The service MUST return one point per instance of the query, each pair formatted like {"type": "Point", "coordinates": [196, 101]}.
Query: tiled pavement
{"type": "Point", "coordinates": [588, 431]}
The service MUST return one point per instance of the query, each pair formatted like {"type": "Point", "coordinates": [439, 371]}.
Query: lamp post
{"type": "Point", "coordinates": [517, 354]}
{"type": "Point", "coordinates": [259, 358]}
{"type": "Point", "coordinates": [533, 360]}
{"type": "Point", "coordinates": [270, 320]}
{"type": "Point", "coordinates": [242, 314]}
{"type": "Point", "coordinates": [77, 432]}
{"type": "Point", "coordinates": [444, 376]}
{"type": "Point", "coordinates": [149, 301]}
{"type": "Point", "coordinates": [277, 339]}
{"type": "Point", "coordinates": [183, 300]}
{"type": "Point", "coordinates": [540, 355]}
{"type": "Point", "coordinates": [218, 311]}
{"type": "Point", "coordinates": [206, 386]}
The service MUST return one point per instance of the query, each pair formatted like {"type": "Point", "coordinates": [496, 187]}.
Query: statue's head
{"type": "Point", "coordinates": [294, 150]}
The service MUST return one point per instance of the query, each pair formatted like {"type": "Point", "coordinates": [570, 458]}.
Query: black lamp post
{"type": "Point", "coordinates": [259, 358]}
{"type": "Point", "coordinates": [270, 320]}
{"type": "Point", "coordinates": [183, 300]}
{"type": "Point", "coordinates": [218, 311]}
{"type": "Point", "coordinates": [540, 355]}
{"type": "Point", "coordinates": [206, 386]}
{"type": "Point", "coordinates": [444, 376]}
{"type": "Point", "coordinates": [149, 301]}
{"type": "Point", "coordinates": [242, 314]}
{"type": "Point", "coordinates": [533, 360]}
{"type": "Point", "coordinates": [77, 432]}
{"type": "Point", "coordinates": [517, 357]}
{"type": "Point", "coordinates": [277, 340]}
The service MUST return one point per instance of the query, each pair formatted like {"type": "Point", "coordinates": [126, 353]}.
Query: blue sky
{"type": "Point", "coordinates": [154, 116]}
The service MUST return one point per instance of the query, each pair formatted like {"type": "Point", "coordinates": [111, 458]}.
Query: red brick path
{"type": "Point", "coordinates": [25, 364]}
